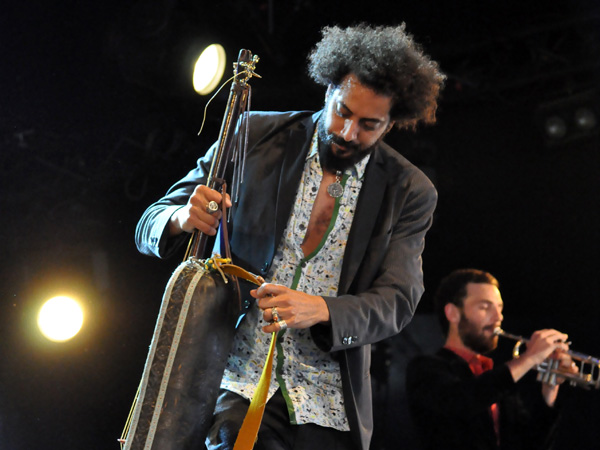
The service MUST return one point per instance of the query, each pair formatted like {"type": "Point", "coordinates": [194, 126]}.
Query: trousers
{"type": "Point", "coordinates": [276, 432]}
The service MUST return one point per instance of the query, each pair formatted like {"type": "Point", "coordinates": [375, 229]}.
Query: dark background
{"type": "Point", "coordinates": [92, 131]}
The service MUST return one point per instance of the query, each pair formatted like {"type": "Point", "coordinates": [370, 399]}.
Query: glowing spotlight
{"type": "Point", "coordinates": [209, 69]}
{"type": "Point", "coordinates": [60, 319]}
{"type": "Point", "coordinates": [555, 127]}
{"type": "Point", "coordinates": [585, 118]}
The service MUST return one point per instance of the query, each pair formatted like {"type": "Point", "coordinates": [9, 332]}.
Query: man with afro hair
{"type": "Point", "coordinates": [335, 220]}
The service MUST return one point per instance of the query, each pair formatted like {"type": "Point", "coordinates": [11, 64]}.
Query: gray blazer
{"type": "Point", "coordinates": [381, 280]}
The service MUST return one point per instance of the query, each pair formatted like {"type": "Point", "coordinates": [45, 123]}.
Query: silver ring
{"type": "Point", "coordinates": [282, 325]}
{"type": "Point", "coordinates": [212, 207]}
{"type": "Point", "coordinates": [275, 314]}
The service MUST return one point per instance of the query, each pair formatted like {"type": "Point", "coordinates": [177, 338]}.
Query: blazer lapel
{"type": "Point", "coordinates": [365, 217]}
{"type": "Point", "coordinates": [297, 147]}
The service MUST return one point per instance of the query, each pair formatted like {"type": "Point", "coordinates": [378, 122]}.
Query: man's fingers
{"type": "Point", "coordinates": [276, 327]}
{"type": "Point", "coordinates": [204, 195]}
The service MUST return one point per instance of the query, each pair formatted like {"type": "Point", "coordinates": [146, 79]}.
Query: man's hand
{"type": "Point", "coordinates": [550, 392]}
{"type": "Point", "coordinates": [543, 343]}
{"type": "Point", "coordinates": [540, 346]}
{"type": "Point", "coordinates": [194, 215]}
{"type": "Point", "coordinates": [566, 365]}
{"type": "Point", "coordinates": [297, 309]}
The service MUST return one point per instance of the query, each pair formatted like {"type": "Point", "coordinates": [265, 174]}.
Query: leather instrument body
{"type": "Point", "coordinates": [187, 358]}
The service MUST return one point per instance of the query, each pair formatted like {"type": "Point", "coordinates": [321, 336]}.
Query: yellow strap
{"type": "Point", "coordinates": [249, 431]}
{"type": "Point", "coordinates": [237, 271]}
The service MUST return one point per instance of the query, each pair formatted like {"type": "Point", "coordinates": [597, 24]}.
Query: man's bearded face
{"type": "Point", "coordinates": [480, 339]}
{"type": "Point", "coordinates": [353, 151]}
{"type": "Point", "coordinates": [355, 119]}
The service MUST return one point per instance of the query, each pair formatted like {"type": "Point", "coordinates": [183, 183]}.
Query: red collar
{"type": "Point", "coordinates": [477, 363]}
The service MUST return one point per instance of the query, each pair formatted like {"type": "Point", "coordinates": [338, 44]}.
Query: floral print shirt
{"type": "Point", "coordinates": [309, 378]}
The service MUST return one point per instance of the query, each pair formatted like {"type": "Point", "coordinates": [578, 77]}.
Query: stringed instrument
{"type": "Point", "coordinates": [194, 331]}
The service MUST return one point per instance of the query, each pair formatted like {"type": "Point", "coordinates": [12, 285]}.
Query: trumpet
{"type": "Point", "coordinates": [549, 370]}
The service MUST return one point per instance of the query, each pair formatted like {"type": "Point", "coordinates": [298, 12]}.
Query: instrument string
{"type": "Point", "coordinates": [225, 83]}
{"type": "Point", "coordinates": [125, 432]}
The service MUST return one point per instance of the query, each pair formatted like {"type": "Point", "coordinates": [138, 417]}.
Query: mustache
{"type": "Point", "coordinates": [341, 142]}
{"type": "Point", "coordinates": [489, 328]}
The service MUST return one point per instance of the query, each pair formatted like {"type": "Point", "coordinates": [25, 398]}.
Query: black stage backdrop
{"type": "Point", "coordinates": [92, 132]}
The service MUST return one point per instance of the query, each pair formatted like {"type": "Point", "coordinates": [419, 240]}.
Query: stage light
{"type": "Point", "coordinates": [585, 118]}
{"type": "Point", "coordinates": [60, 318]}
{"type": "Point", "coordinates": [556, 128]}
{"type": "Point", "coordinates": [178, 58]}
{"type": "Point", "coordinates": [209, 69]}
{"type": "Point", "coordinates": [569, 119]}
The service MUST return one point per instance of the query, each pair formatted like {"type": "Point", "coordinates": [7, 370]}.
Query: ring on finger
{"type": "Point", "coordinates": [212, 207]}
{"type": "Point", "coordinates": [282, 325]}
{"type": "Point", "coordinates": [274, 314]}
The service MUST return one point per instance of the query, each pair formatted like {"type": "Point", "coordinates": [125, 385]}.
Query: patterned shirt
{"type": "Point", "coordinates": [309, 378]}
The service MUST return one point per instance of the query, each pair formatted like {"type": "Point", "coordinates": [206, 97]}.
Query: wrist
{"type": "Point", "coordinates": [324, 315]}
{"type": "Point", "coordinates": [174, 223]}
{"type": "Point", "coordinates": [550, 393]}
{"type": "Point", "coordinates": [519, 367]}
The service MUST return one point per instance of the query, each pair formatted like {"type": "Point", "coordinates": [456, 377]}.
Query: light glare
{"type": "Point", "coordinates": [555, 127]}
{"type": "Point", "coordinates": [60, 318]}
{"type": "Point", "coordinates": [585, 118]}
{"type": "Point", "coordinates": [209, 69]}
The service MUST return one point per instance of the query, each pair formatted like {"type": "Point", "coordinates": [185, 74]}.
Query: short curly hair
{"type": "Point", "coordinates": [387, 60]}
{"type": "Point", "coordinates": [453, 289]}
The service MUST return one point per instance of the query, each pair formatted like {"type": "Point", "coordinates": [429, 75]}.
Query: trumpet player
{"type": "Point", "coordinates": [458, 399]}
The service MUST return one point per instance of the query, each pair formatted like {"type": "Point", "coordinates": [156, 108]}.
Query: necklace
{"type": "Point", "coordinates": [336, 189]}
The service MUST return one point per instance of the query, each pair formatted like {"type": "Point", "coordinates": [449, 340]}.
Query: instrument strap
{"type": "Point", "coordinates": [225, 239]}
{"type": "Point", "coordinates": [237, 271]}
{"type": "Point", "coordinates": [249, 431]}
{"type": "Point", "coordinates": [223, 222]}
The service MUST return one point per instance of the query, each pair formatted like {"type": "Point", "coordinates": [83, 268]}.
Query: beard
{"type": "Point", "coordinates": [329, 160]}
{"type": "Point", "coordinates": [474, 338]}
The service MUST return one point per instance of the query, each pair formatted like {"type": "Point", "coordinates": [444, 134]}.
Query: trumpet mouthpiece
{"type": "Point", "coordinates": [498, 331]}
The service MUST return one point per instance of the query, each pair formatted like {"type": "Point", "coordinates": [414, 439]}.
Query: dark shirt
{"type": "Point", "coordinates": [450, 406]}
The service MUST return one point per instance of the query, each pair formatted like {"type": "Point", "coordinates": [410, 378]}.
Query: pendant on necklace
{"type": "Point", "coordinates": [336, 189]}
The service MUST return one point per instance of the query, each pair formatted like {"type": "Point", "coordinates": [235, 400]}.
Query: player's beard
{"type": "Point", "coordinates": [475, 338]}
{"type": "Point", "coordinates": [332, 162]}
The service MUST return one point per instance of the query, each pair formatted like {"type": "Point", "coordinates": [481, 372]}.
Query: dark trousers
{"type": "Point", "coordinates": [276, 432]}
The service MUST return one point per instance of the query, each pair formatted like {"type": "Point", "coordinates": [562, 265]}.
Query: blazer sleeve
{"type": "Point", "coordinates": [151, 234]}
{"type": "Point", "coordinates": [152, 237]}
